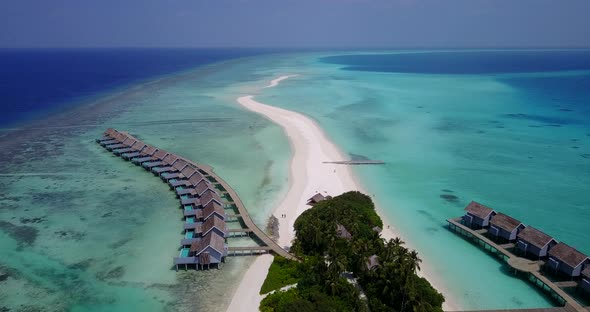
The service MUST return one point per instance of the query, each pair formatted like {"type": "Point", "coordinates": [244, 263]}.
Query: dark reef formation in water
{"type": "Point", "coordinates": [23, 234]}
{"type": "Point", "coordinates": [449, 198]}
{"type": "Point", "coordinates": [115, 273]}
{"type": "Point", "coordinates": [33, 220]}
{"type": "Point", "coordinates": [69, 234]}
{"type": "Point", "coordinates": [82, 265]}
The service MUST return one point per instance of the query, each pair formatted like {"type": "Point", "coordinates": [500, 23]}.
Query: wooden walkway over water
{"type": "Point", "coordinates": [529, 267]}
{"type": "Point", "coordinates": [249, 250]}
{"type": "Point", "coordinates": [356, 162]}
{"type": "Point", "coordinates": [246, 216]}
{"type": "Point", "coordinates": [223, 188]}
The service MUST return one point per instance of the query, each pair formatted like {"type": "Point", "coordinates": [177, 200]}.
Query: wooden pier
{"type": "Point", "coordinates": [255, 250]}
{"type": "Point", "coordinates": [199, 259]}
{"type": "Point", "coordinates": [246, 216]}
{"type": "Point", "coordinates": [531, 269]}
{"type": "Point", "coordinates": [356, 162]}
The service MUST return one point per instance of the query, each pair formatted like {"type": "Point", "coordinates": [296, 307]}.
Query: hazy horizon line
{"type": "Point", "coordinates": [294, 48]}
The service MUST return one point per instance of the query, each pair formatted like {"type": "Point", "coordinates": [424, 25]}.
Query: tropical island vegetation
{"type": "Point", "coordinates": [346, 265]}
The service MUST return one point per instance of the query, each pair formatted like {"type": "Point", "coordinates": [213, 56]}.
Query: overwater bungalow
{"type": "Point", "coordinates": [567, 260]}
{"type": "Point", "coordinates": [478, 215]}
{"type": "Point", "coordinates": [124, 144]}
{"type": "Point", "coordinates": [210, 196]}
{"type": "Point", "coordinates": [156, 159]}
{"type": "Point", "coordinates": [213, 209]}
{"type": "Point", "coordinates": [193, 201]}
{"type": "Point", "coordinates": [174, 172]}
{"type": "Point", "coordinates": [135, 150]}
{"type": "Point", "coordinates": [194, 190]}
{"type": "Point", "coordinates": [107, 135]}
{"type": "Point", "coordinates": [183, 177]}
{"type": "Point", "coordinates": [533, 242]}
{"type": "Point", "coordinates": [202, 187]}
{"type": "Point", "coordinates": [506, 227]}
{"type": "Point", "coordinates": [216, 224]}
{"type": "Point", "coordinates": [197, 213]}
{"type": "Point", "coordinates": [373, 262]}
{"type": "Point", "coordinates": [117, 139]}
{"type": "Point", "coordinates": [127, 148]}
{"type": "Point", "coordinates": [196, 178]}
{"type": "Point", "coordinates": [167, 164]}
{"type": "Point", "coordinates": [145, 154]}
{"type": "Point", "coordinates": [585, 282]}
{"type": "Point", "coordinates": [213, 248]}
{"type": "Point", "coordinates": [342, 232]}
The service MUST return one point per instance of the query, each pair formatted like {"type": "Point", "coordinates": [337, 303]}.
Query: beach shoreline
{"type": "Point", "coordinates": [308, 175]}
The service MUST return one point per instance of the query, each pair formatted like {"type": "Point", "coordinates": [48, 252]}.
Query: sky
{"type": "Point", "coordinates": [294, 23]}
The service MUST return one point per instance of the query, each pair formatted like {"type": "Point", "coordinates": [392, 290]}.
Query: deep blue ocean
{"type": "Point", "coordinates": [36, 82]}
{"type": "Point", "coordinates": [510, 129]}
{"type": "Point", "coordinates": [466, 62]}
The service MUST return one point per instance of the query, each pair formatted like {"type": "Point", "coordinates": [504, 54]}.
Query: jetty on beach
{"type": "Point", "coordinates": [204, 198]}
{"type": "Point", "coordinates": [356, 162]}
{"type": "Point", "coordinates": [531, 254]}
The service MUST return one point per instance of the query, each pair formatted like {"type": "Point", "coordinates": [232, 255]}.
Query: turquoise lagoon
{"type": "Point", "coordinates": [81, 229]}
{"type": "Point", "coordinates": [517, 140]}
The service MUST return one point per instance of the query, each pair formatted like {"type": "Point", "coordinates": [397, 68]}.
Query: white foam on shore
{"type": "Point", "coordinates": [308, 176]}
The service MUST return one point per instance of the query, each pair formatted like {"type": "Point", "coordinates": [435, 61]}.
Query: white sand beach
{"type": "Point", "coordinates": [308, 176]}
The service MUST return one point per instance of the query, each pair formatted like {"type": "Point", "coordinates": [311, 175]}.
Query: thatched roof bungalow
{"type": "Point", "coordinates": [211, 244]}
{"type": "Point", "coordinates": [585, 282]}
{"type": "Point", "coordinates": [315, 199]}
{"type": "Point", "coordinates": [210, 196]}
{"type": "Point", "coordinates": [134, 150]}
{"type": "Point", "coordinates": [145, 154]}
{"type": "Point", "coordinates": [123, 145]}
{"type": "Point", "coordinates": [196, 202]}
{"type": "Point", "coordinates": [373, 262]}
{"type": "Point", "coordinates": [156, 159]}
{"type": "Point", "coordinates": [531, 241]}
{"type": "Point", "coordinates": [213, 209]}
{"type": "Point", "coordinates": [183, 177]}
{"type": "Point", "coordinates": [169, 159]}
{"type": "Point", "coordinates": [196, 178]}
{"type": "Point", "coordinates": [167, 164]}
{"type": "Point", "coordinates": [478, 215]}
{"type": "Point", "coordinates": [342, 232]}
{"type": "Point", "coordinates": [179, 164]}
{"type": "Point", "coordinates": [567, 260]}
{"type": "Point", "coordinates": [107, 135]}
{"type": "Point", "coordinates": [201, 187]}
{"type": "Point", "coordinates": [506, 227]}
{"type": "Point", "coordinates": [116, 139]}
{"type": "Point", "coordinates": [216, 224]}
{"type": "Point", "coordinates": [197, 213]}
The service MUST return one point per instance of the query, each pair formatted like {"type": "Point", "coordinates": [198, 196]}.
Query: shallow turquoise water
{"type": "Point", "coordinates": [84, 230]}
{"type": "Point", "coordinates": [450, 139]}
{"type": "Point", "coordinates": [489, 138]}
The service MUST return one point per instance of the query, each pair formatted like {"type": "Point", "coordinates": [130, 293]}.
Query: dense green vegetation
{"type": "Point", "coordinates": [282, 272]}
{"type": "Point", "coordinates": [391, 284]}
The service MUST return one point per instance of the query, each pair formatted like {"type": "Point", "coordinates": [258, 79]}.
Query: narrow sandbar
{"type": "Point", "coordinates": [308, 175]}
